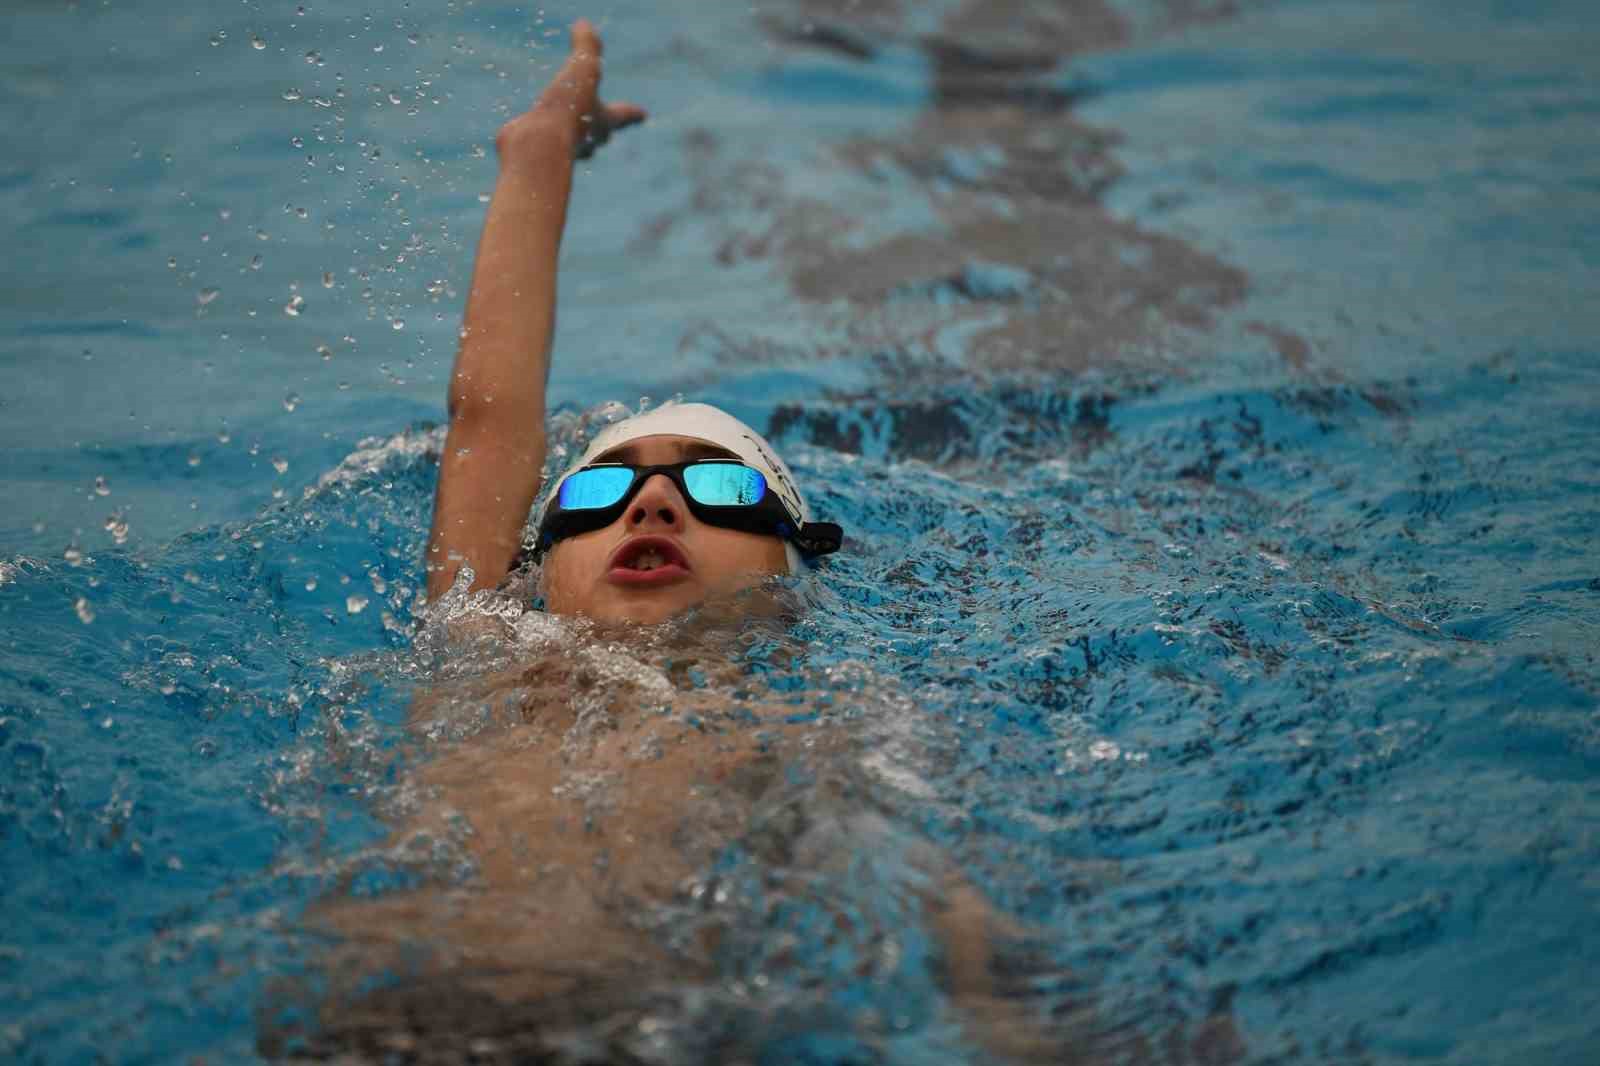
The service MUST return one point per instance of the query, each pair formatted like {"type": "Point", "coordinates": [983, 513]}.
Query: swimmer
{"type": "Point", "coordinates": [663, 511]}
{"type": "Point", "coordinates": [606, 783]}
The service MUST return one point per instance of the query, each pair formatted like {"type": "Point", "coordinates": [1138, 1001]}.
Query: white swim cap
{"type": "Point", "coordinates": [715, 426]}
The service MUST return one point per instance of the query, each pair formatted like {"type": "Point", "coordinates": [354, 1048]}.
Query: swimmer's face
{"type": "Point", "coordinates": [658, 559]}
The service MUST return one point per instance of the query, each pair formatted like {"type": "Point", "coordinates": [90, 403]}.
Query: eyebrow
{"type": "Point", "coordinates": [686, 450]}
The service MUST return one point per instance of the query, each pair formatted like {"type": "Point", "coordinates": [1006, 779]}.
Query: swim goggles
{"type": "Point", "coordinates": [719, 492]}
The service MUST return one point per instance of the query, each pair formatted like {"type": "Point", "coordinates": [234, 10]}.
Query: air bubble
{"type": "Point", "coordinates": [205, 296]}
{"type": "Point", "coordinates": [291, 401]}
{"type": "Point", "coordinates": [398, 324]}
{"type": "Point", "coordinates": [324, 351]}
{"type": "Point", "coordinates": [85, 610]}
{"type": "Point", "coordinates": [292, 308]}
{"type": "Point", "coordinates": [353, 604]}
{"type": "Point", "coordinates": [101, 487]}
{"type": "Point", "coordinates": [327, 279]}
{"type": "Point", "coordinates": [280, 464]}
{"type": "Point", "coordinates": [257, 43]}
{"type": "Point", "coordinates": [255, 262]}
{"type": "Point", "coordinates": [117, 526]}
{"type": "Point", "coordinates": [291, 95]}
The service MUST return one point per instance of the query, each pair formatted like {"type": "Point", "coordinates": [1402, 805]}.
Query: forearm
{"type": "Point", "coordinates": [504, 360]}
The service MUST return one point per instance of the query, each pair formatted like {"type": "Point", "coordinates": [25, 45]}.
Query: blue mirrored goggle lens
{"type": "Point", "coordinates": [724, 484]}
{"type": "Point", "coordinates": [598, 487]}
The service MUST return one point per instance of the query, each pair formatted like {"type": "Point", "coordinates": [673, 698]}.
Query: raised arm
{"type": "Point", "coordinates": [494, 450]}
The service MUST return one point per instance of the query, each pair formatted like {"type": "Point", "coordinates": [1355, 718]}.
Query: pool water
{"type": "Point", "coordinates": [1207, 392]}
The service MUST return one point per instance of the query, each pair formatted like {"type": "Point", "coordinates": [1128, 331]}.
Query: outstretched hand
{"type": "Point", "coordinates": [570, 105]}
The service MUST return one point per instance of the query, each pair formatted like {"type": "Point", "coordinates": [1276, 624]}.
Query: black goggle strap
{"type": "Point", "coordinates": [818, 538]}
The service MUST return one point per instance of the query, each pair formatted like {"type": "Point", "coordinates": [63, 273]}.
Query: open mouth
{"type": "Point", "coordinates": [648, 560]}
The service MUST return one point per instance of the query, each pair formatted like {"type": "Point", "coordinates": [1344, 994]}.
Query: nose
{"type": "Point", "coordinates": [657, 505]}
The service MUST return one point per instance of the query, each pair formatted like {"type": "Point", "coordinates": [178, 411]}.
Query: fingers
{"type": "Point", "coordinates": [578, 81]}
{"type": "Point", "coordinates": [622, 115]}
{"type": "Point", "coordinates": [586, 39]}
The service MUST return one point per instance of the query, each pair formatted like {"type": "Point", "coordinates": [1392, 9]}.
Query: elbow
{"type": "Point", "coordinates": [476, 422]}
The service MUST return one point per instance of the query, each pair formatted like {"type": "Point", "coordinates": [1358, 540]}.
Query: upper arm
{"type": "Point", "coordinates": [488, 479]}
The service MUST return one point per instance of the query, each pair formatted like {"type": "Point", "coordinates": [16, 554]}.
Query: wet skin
{"type": "Point", "coordinates": [581, 575]}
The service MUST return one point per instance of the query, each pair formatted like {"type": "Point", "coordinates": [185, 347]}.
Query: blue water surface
{"type": "Point", "coordinates": [1210, 407]}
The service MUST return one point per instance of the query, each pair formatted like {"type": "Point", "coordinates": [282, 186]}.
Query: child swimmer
{"type": "Point", "coordinates": [663, 511]}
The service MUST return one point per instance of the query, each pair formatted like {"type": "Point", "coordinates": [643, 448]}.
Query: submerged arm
{"type": "Point", "coordinates": [495, 447]}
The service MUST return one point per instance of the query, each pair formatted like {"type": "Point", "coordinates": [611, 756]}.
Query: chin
{"type": "Point", "coordinates": [649, 609]}
{"type": "Point", "coordinates": [648, 613]}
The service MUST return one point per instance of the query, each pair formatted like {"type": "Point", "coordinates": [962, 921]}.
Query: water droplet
{"type": "Point", "coordinates": [85, 611]}
{"type": "Point", "coordinates": [101, 487]}
{"type": "Point", "coordinates": [255, 262]}
{"type": "Point", "coordinates": [327, 279]}
{"type": "Point", "coordinates": [394, 97]}
{"type": "Point", "coordinates": [218, 37]}
{"type": "Point", "coordinates": [257, 43]}
{"type": "Point", "coordinates": [292, 308]}
{"type": "Point", "coordinates": [377, 48]}
{"type": "Point", "coordinates": [263, 235]}
{"type": "Point", "coordinates": [280, 464]}
{"type": "Point", "coordinates": [172, 262]}
{"type": "Point", "coordinates": [291, 95]}
{"type": "Point", "coordinates": [205, 296]}
{"type": "Point", "coordinates": [412, 38]}
{"type": "Point", "coordinates": [324, 351]}
{"type": "Point", "coordinates": [224, 437]}
{"type": "Point", "coordinates": [117, 526]}
{"type": "Point", "coordinates": [73, 555]}
{"type": "Point", "coordinates": [311, 584]}
{"type": "Point", "coordinates": [297, 141]}
{"type": "Point", "coordinates": [352, 605]}
{"type": "Point", "coordinates": [398, 324]}
{"type": "Point", "coordinates": [314, 58]}
{"type": "Point", "coordinates": [291, 401]}
{"type": "Point", "coordinates": [194, 459]}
